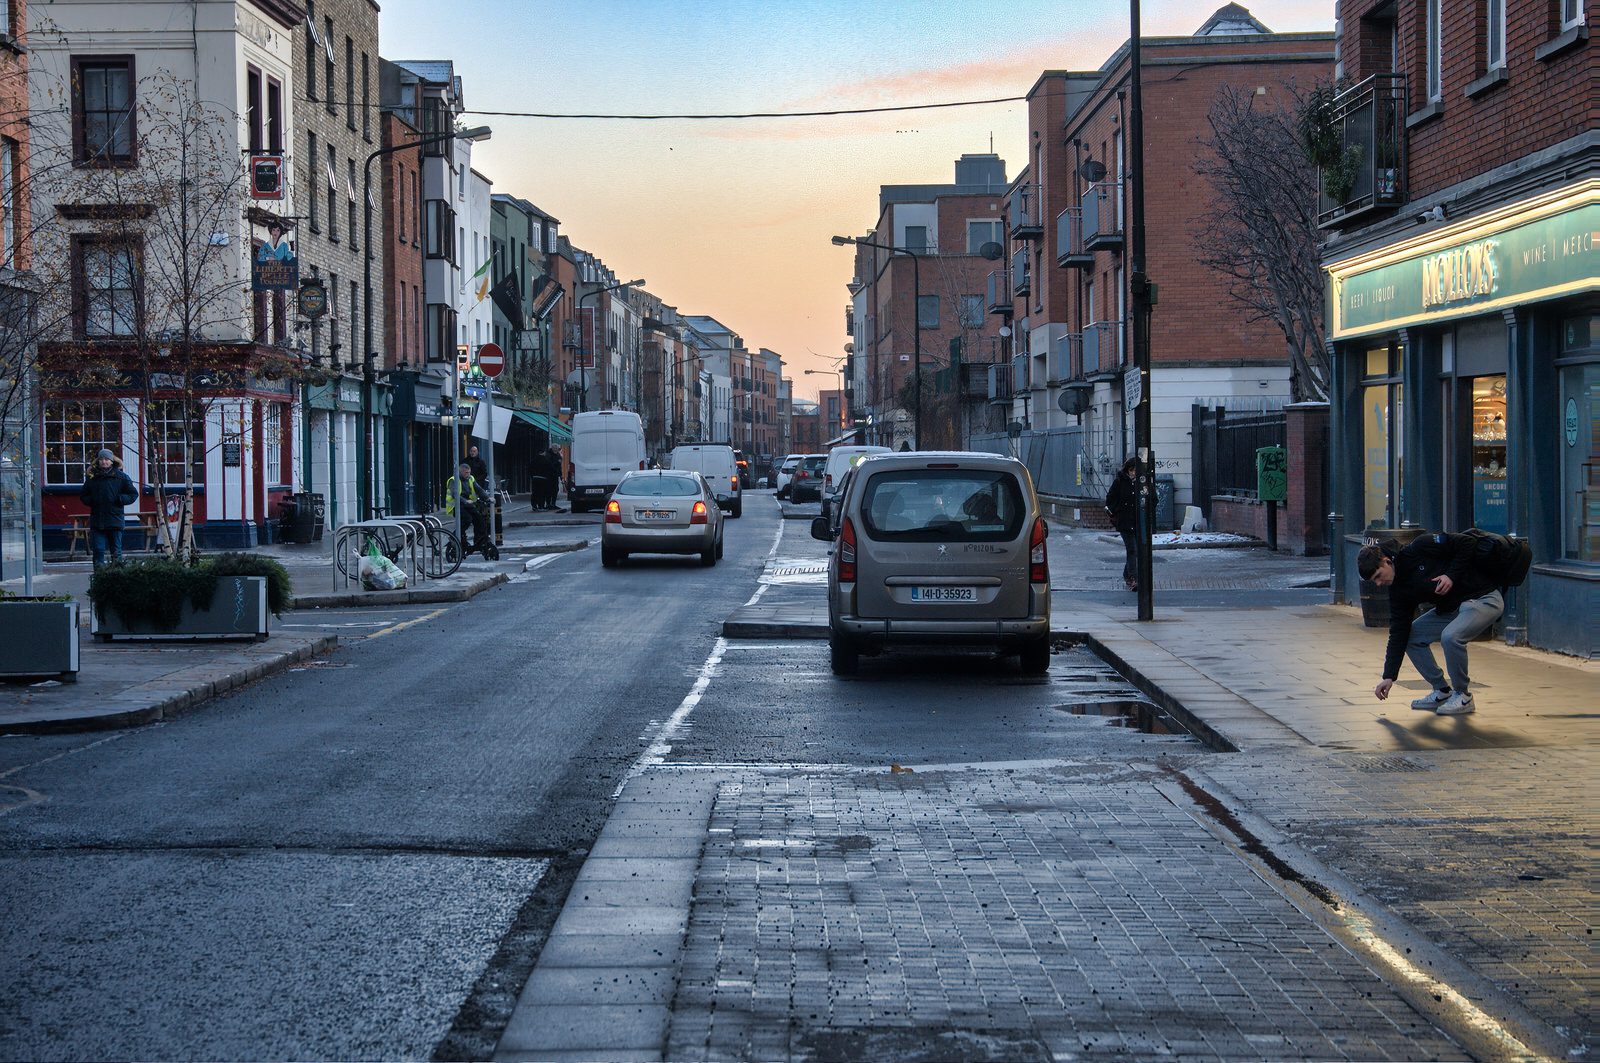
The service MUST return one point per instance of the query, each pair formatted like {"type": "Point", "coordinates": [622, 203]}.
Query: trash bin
{"type": "Point", "coordinates": [1166, 488]}
{"type": "Point", "coordinates": [1375, 599]}
{"type": "Point", "coordinates": [310, 510]}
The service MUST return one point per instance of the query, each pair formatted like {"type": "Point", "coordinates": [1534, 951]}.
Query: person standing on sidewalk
{"type": "Point", "coordinates": [1438, 570]}
{"type": "Point", "coordinates": [480, 468]}
{"type": "Point", "coordinates": [1122, 502]}
{"type": "Point", "coordinates": [106, 491]}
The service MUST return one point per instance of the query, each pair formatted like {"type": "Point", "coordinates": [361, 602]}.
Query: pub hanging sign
{"type": "Point", "coordinates": [275, 267]}
{"type": "Point", "coordinates": [1539, 250]}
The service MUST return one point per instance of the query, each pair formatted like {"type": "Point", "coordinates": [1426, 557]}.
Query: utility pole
{"type": "Point", "coordinates": [1141, 299]}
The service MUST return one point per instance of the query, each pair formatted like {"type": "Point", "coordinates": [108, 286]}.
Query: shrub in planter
{"type": "Point", "coordinates": [154, 592]}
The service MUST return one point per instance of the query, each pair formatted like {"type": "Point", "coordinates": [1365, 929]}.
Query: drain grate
{"type": "Point", "coordinates": [1388, 765]}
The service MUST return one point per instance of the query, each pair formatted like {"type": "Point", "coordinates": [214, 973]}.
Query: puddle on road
{"type": "Point", "coordinates": [1135, 715]}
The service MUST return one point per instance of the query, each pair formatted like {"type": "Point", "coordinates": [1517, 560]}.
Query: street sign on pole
{"type": "Point", "coordinates": [491, 359]}
{"type": "Point", "coordinates": [1132, 388]}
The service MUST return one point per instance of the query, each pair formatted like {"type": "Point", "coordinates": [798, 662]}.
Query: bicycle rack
{"type": "Point", "coordinates": [409, 531]}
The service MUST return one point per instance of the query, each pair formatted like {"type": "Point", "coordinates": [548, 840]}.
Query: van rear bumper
{"type": "Point", "coordinates": [887, 633]}
{"type": "Point", "coordinates": [587, 491]}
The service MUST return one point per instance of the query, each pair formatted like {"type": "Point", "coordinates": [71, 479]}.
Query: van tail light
{"type": "Point", "coordinates": [641, 463]}
{"type": "Point", "coordinates": [1038, 559]}
{"type": "Point", "coordinates": [847, 552]}
{"type": "Point", "coordinates": [698, 514]}
{"type": "Point", "coordinates": [733, 482]}
{"type": "Point", "coordinates": [613, 512]}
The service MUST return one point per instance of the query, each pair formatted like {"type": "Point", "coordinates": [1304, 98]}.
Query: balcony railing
{"type": "Point", "coordinates": [1102, 216]}
{"type": "Point", "coordinates": [998, 299]}
{"type": "Point", "coordinates": [1069, 240]}
{"type": "Point", "coordinates": [1024, 216]}
{"type": "Point", "coordinates": [1369, 121]}
{"type": "Point", "coordinates": [1059, 363]}
{"type": "Point", "coordinates": [1102, 347]}
{"type": "Point", "coordinates": [1021, 274]}
{"type": "Point", "coordinates": [974, 380]}
{"type": "Point", "coordinates": [999, 382]}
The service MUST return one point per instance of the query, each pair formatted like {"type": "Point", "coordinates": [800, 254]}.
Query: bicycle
{"type": "Point", "coordinates": [442, 557]}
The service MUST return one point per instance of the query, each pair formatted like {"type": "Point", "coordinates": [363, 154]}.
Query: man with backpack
{"type": "Point", "coordinates": [1460, 578]}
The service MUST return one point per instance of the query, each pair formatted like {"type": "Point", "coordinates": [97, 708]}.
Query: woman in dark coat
{"type": "Point", "coordinates": [106, 491]}
{"type": "Point", "coordinates": [1122, 502]}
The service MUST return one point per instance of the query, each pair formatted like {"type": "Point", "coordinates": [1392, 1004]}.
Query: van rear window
{"type": "Point", "coordinates": [942, 505]}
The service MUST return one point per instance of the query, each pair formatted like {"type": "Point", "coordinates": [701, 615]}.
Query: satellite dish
{"type": "Point", "coordinates": [1005, 330]}
{"type": "Point", "coordinates": [1073, 400]}
{"type": "Point", "coordinates": [1092, 171]}
{"type": "Point", "coordinates": [991, 250]}
{"type": "Point", "coordinates": [1014, 429]}
{"type": "Point", "coordinates": [850, 348]}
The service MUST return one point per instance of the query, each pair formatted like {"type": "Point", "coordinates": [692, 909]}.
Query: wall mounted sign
{"type": "Point", "coordinates": [1540, 249]}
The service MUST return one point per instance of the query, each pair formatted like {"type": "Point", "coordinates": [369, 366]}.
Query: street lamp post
{"type": "Point", "coordinates": [583, 375]}
{"type": "Point", "coordinates": [916, 325]}
{"type": "Point", "coordinates": [369, 357]}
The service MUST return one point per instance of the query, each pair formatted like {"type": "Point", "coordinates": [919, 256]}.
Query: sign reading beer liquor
{"type": "Point", "coordinates": [1546, 250]}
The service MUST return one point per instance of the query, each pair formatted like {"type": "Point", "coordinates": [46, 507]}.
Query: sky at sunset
{"type": "Point", "coordinates": [732, 218]}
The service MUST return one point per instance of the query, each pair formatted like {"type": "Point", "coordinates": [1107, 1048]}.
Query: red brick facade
{"type": "Point", "coordinates": [1548, 90]}
{"type": "Point", "coordinates": [402, 257]}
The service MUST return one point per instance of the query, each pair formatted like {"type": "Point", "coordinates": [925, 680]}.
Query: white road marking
{"type": "Point", "coordinates": [776, 541]}
{"type": "Point", "coordinates": [661, 741]}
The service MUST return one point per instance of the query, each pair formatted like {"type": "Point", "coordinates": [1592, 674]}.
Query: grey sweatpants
{"type": "Point", "coordinates": [1452, 630]}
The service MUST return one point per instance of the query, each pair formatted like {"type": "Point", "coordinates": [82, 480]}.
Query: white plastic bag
{"type": "Point", "coordinates": [378, 573]}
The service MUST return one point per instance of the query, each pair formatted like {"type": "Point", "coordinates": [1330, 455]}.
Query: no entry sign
{"type": "Point", "coordinates": [491, 359]}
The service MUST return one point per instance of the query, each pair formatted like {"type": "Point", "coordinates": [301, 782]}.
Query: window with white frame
{"type": "Point", "coordinates": [1494, 17]}
{"type": "Point", "coordinates": [1571, 14]}
{"type": "Point", "coordinates": [74, 432]}
{"type": "Point", "coordinates": [983, 232]}
{"type": "Point", "coordinates": [1433, 45]}
{"type": "Point", "coordinates": [272, 443]}
{"type": "Point", "coordinates": [176, 429]}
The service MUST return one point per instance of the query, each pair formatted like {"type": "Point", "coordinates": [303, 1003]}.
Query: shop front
{"type": "Point", "coordinates": [419, 444]}
{"type": "Point", "coordinates": [1464, 378]}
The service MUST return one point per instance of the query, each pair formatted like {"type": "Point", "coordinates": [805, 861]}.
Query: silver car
{"type": "Point", "coordinates": [661, 511]}
{"type": "Point", "coordinates": [938, 549]}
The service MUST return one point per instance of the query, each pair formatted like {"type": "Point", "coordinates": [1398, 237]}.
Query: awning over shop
{"type": "Point", "coordinates": [558, 432]}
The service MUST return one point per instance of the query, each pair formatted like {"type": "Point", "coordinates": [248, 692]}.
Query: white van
{"type": "Point", "coordinates": [840, 461]}
{"type": "Point", "coordinates": [720, 468]}
{"type": "Point", "coordinates": [605, 445]}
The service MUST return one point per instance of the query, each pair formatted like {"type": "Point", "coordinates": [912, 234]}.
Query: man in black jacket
{"type": "Point", "coordinates": [1122, 503]}
{"type": "Point", "coordinates": [1438, 569]}
{"type": "Point", "coordinates": [106, 490]}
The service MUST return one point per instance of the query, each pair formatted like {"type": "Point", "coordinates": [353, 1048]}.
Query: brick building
{"type": "Point", "coordinates": [418, 445]}
{"type": "Point", "coordinates": [936, 233]}
{"type": "Point", "coordinates": [1463, 272]}
{"type": "Point", "coordinates": [1064, 284]}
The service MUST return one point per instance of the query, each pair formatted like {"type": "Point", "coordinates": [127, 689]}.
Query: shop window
{"type": "Point", "coordinates": [1489, 453]}
{"type": "Point", "coordinates": [74, 432]}
{"type": "Point", "coordinates": [1382, 440]}
{"type": "Point", "coordinates": [176, 429]}
{"type": "Point", "coordinates": [1580, 443]}
{"type": "Point", "coordinates": [272, 444]}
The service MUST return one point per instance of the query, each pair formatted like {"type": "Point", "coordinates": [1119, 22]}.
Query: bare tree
{"type": "Point", "coordinates": [1263, 235]}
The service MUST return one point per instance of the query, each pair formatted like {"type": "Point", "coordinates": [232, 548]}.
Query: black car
{"type": "Point", "coordinates": [807, 483]}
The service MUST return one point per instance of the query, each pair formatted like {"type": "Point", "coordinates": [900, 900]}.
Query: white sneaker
{"type": "Point", "coordinates": [1432, 700]}
{"type": "Point", "coordinates": [1458, 704]}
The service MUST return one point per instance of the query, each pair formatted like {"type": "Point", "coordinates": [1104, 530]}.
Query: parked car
{"type": "Point", "coordinates": [714, 461]}
{"type": "Point", "coordinates": [841, 459]}
{"type": "Point", "coordinates": [807, 483]}
{"type": "Point", "coordinates": [662, 511]}
{"type": "Point", "coordinates": [743, 461]}
{"type": "Point", "coordinates": [938, 549]}
{"type": "Point", "coordinates": [605, 445]}
{"type": "Point", "coordinates": [785, 474]}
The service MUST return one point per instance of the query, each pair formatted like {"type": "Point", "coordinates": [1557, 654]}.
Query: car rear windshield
{"type": "Point", "coordinates": [942, 505]}
{"type": "Point", "coordinates": [660, 486]}
{"type": "Point", "coordinates": [813, 464]}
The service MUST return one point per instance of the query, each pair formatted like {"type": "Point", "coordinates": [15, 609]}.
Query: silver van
{"type": "Point", "coordinates": [938, 549]}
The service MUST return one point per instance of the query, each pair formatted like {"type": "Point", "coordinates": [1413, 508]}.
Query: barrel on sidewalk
{"type": "Point", "coordinates": [1375, 599]}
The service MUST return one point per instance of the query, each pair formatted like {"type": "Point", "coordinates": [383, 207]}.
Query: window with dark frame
{"type": "Point", "coordinates": [400, 214]}
{"type": "Point", "coordinates": [106, 279]}
{"type": "Point", "coordinates": [927, 311]}
{"type": "Point", "coordinates": [274, 116]}
{"type": "Point", "coordinates": [254, 113]}
{"type": "Point", "coordinates": [355, 241]}
{"type": "Point", "coordinates": [366, 97]}
{"type": "Point", "coordinates": [440, 230]}
{"type": "Point", "coordinates": [105, 126]}
{"type": "Point", "coordinates": [333, 191]}
{"type": "Point", "coordinates": [311, 50]}
{"type": "Point", "coordinates": [350, 82]}
{"type": "Point", "coordinates": [314, 159]}
{"type": "Point", "coordinates": [327, 63]}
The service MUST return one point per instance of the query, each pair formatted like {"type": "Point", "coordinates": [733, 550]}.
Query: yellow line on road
{"type": "Point", "coordinates": [392, 628]}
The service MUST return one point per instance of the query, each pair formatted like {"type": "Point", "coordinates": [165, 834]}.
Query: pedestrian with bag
{"type": "Point", "coordinates": [1122, 503]}
{"type": "Point", "coordinates": [106, 491]}
{"type": "Point", "coordinates": [463, 500]}
{"type": "Point", "coordinates": [1459, 578]}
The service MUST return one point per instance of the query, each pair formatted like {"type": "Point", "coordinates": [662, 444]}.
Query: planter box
{"type": "Point", "coordinates": [237, 611]}
{"type": "Point", "coordinates": [38, 638]}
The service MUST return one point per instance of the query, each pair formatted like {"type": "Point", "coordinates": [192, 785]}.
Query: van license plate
{"type": "Point", "coordinates": [944, 594]}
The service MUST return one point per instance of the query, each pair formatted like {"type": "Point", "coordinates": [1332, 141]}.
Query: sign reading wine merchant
{"type": "Point", "coordinates": [1551, 249]}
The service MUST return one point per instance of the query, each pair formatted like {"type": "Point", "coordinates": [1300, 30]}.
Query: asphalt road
{"type": "Point", "coordinates": [361, 858]}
